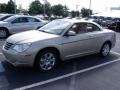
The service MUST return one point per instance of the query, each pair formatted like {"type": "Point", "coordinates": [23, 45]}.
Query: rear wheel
{"type": "Point", "coordinates": [105, 50]}
{"type": "Point", "coordinates": [47, 60]}
{"type": "Point", "coordinates": [3, 33]}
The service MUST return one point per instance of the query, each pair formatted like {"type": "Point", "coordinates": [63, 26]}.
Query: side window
{"type": "Point", "coordinates": [20, 20]}
{"type": "Point", "coordinates": [17, 20]}
{"type": "Point", "coordinates": [23, 20]}
{"type": "Point", "coordinates": [79, 28]}
{"type": "Point", "coordinates": [82, 28]}
{"type": "Point", "coordinates": [33, 20]}
{"type": "Point", "coordinates": [91, 27]}
{"type": "Point", "coordinates": [6, 17]}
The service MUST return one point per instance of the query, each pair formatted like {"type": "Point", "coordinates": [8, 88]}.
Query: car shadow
{"type": "Point", "coordinates": [22, 76]}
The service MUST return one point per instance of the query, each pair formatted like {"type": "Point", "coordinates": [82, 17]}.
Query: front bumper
{"type": "Point", "coordinates": [18, 59]}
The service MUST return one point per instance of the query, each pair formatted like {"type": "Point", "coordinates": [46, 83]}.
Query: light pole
{"type": "Point", "coordinates": [44, 7]}
{"type": "Point", "coordinates": [77, 9]}
{"type": "Point", "coordinates": [44, 10]}
{"type": "Point", "coordinates": [15, 6]}
{"type": "Point", "coordinates": [89, 8]}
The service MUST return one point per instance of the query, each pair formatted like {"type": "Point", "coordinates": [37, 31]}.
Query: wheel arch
{"type": "Point", "coordinates": [5, 29]}
{"type": "Point", "coordinates": [47, 48]}
{"type": "Point", "coordinates": [109, 42]}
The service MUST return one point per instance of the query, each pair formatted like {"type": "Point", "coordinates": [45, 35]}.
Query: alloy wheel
{"type": "Point", "coordinates": [106, 49]}
{"type": "Point", "coordinates": [47, 61]}
{"type": "Point", "coordinates": [3, 33]}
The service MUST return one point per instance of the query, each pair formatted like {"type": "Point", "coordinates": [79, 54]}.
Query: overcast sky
{"type": "Point", "coordinates": [96, 5]}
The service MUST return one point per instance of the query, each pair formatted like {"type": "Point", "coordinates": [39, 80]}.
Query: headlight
{"type": "Point", "coordinates": [21, 47]}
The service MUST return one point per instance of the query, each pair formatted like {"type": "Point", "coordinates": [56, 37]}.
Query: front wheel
{"type": "Point", "coordinates": [105, 50]}
{"type": "Point", "coordinates": [47, 60]}
{"type": "Point", "coordinates": [3, 33]}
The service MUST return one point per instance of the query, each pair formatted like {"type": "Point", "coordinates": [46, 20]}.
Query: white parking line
{"type": "Point", "coordinates": [115, 53]}
{"type": "Point", "coordinates": [117, 40]}
{"type": "Point", "coordinates": [72, 81]}
{"type": "Point", "coordinates": [65, 76]}
{"type": "Point", "coordinates": [0, 53]}
{"type": "Point", "coordinates": [2, 69]}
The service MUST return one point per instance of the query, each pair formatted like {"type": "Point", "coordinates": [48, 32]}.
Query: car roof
{"type": "Point", "coordinates": [17, 16]}
{"type": "Point", "coordinates": [5, 14]}
{"type": "Point", "coordinates": [77, 21]}
{"type": "Point", "coordinates": [80, 21]}
{"type": "Point", "coordinates": [28, 16]}
{"type": "Point", "coordinates": [22, 16]}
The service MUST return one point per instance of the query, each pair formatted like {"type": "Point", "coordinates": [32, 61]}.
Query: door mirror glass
{"type": "Point", "coordinates": [89, 28]}
{"type": "Point", "coordinates": [74, 26]}
{"type": "Point", "coordinates": [71, 33]}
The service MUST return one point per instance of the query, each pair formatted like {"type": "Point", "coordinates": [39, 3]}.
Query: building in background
{"type": "Point", "coordinates": [115, 8]}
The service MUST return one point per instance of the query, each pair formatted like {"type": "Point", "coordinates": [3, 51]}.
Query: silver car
{"type": "Point", "coordinates": [5, 16]}
{"type": "Point", "coordinates": [58, 40]}
{"type": "Point", "coordinates": [19, 23]}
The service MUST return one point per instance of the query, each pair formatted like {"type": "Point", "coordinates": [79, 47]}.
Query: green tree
{"type": "Point", "coordinates": [35, 8]}
{"type": "Point", "coordinates": [77, 13]}
{"type": "Point", "coordinates": [10, 7]}
{"type": "Point", "coordinates": [3, 8]}
{"type": "Point", "coordinates": [66, 13]}
{"type": "Point", "coordinates": [86, 12]}
{"type": "Point", "coordinates": [73, 14]}
{"type": "Point", "coordinates": [58, 10]}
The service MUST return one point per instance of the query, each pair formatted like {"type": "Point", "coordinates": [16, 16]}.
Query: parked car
{"type": "Point", "coordinates": [56, 41]}
{"type": "Point", "coordinates": [19, 23]}
{"type": "Point", "coordinates": [114, 26]}
{"type": "Point", "coordinates": [5, 16]}
{"type": "Point", "coordinates": [97, 20]}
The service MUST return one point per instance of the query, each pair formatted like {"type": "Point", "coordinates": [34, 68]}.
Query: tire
{"type": "Point", "coordinates": [47, 60]}
{"type": "Point", "coordinates": [3, 33]}
{"type": "Point", "coordinates": [105, 50]}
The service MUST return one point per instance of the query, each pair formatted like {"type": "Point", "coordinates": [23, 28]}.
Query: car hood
{"type": "Point", "coordinates": [1, 22]}
{"type": "Point", "coordinates": [30, 36]}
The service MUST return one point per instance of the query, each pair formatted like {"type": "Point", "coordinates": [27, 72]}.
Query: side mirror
{"type": "Point", "coordinates": [89, 28]}
{"type": "Point", "coordinates": [13, 22]}
{"type": "Point", "coordinates": [71, 33]}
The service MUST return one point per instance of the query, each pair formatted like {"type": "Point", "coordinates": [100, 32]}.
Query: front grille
{"type": "Point", "coordinates": [8, 45]}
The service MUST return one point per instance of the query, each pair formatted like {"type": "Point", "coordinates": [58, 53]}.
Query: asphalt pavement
{"type": "Point", "coordinates": [85, 73]}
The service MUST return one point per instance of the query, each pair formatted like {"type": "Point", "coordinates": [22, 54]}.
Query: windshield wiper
{"type": "Point", "coordinates": [47, 32]}
{"type": "Point", "coordinates": [43, 31]}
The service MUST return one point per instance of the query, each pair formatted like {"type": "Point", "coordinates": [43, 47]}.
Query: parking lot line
{"type": "Point", "coordinates": [65, 76]}
{"type": "Point", "coordinates": [118, 40]}
{"type": "Point", "coordinates": [72, 81]}
{"type": "Point", "coordinates": [2, 69]}
{"type": "Point", "coordinates": [0, 53]}
{"type": "Point", "coordinates": [115, 52]}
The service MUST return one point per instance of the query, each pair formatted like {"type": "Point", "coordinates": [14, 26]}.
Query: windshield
{"type": "Point", "coordinates": [8, 19]}
{"type": "Point", "coordinates": [55, 27]}
{"type": "Point", "coordinates": [4, 17]}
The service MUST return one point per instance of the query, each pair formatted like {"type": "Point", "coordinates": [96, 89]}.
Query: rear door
{"type": "Point", "coordinates": [34, 23]}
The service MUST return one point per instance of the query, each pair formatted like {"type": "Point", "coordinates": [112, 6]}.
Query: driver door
{"type": "Point", "coordinates": [73, 46]}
